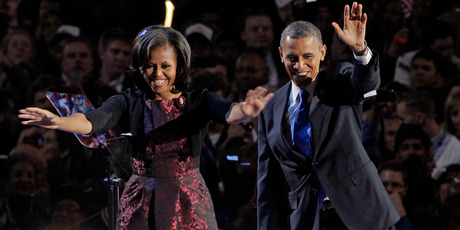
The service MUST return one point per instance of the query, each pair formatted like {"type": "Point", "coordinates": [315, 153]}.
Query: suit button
{"type": "Point", "coordinates": [314, 164]}
{"type": "Point", "coordinates": [313, 191]}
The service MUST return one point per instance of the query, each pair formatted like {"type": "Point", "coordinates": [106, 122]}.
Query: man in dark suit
{"type": "Point", "coordinates": [333, 164]}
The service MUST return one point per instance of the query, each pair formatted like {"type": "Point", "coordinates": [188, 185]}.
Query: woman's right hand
{"type": "Point", "coordinates": [40, 117]}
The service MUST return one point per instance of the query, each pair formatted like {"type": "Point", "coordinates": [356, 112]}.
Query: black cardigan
{"type": "Point", "coordinates": [127, 110]}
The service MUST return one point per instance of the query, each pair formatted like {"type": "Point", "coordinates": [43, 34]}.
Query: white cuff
{"type": "Point", "coordinates": [366, 59]}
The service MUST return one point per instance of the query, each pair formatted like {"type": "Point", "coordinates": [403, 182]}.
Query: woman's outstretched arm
{"type": "Point", "coordinates": [76, 123]}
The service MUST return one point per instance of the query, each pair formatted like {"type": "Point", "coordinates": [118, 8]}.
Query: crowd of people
{"type": "Point", "coordinates": [411, 127]}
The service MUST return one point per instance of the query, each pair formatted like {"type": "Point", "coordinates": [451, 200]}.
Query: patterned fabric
{"type": "Point", "coordinates": [166, 190]}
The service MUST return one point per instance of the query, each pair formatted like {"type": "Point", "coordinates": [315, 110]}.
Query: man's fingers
{"type": "Point", "coordinates": [337, 29]}
{"type": "Point", "coordinates": [355, 10]}
{"type": "Point", "coordinates": [268, 97]}
{"type": "Point", "coordinates": [346, 13]}
{"type": "Point", "coordinates": [364, 18]}
{"type": "Point", "coordinates": [257, 93]}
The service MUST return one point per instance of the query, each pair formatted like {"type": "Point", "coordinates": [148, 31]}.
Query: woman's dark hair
{"type": "Point", "coordinates": [157, 36]}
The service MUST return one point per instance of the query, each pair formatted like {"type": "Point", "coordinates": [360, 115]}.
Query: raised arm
{"type": "Point", "coordinates": [251, 107]}
{"type": "Point", "coordinates": [354, 27]}
{"type": "Point", "coordinates": [76, 123]}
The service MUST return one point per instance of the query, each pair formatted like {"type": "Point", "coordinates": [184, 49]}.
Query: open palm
{"type": "Point", "coordinates": [354, 27]}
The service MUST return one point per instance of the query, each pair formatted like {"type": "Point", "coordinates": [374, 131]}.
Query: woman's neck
{"type": "Point", "coordinates": [167, 96]}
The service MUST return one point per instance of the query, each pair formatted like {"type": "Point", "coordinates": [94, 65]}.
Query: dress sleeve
{"type": "Point", "coordinates": [217, 107]}
{"type": "Point", "coordinates": [107, 115]}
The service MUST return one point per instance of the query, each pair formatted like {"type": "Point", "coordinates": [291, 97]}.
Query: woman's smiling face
{"type": "Point", "coordinates": [160, 71]}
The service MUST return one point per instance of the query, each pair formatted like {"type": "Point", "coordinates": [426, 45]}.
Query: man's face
{"type": "Point", "coordinates": [226, 50]}
{"type": "Point", "coordinates": [391, 127]}
{"type": "Point", "coordinates": [411, 146]}
{"type": "Point", "coordinates": [302, 58]}
{"type": "Point", "coordinates": [251, 71]}
{"type": "Point", "coordinates": [444, 46]}
{"type": "Point", "coordinates": [422, 73]}
{"type": "Point", "coordinates": [77, 60]}
{"type": "Point", "coordinates": [258, 32]}
{"type": "Point", "coordinates": [393, 181]}
{"type": "Point", "coordinates": [116, 57]}
{"type": "Point", "coordinates": [407, 117]}
{"type": "Point", "coordinates": [455, 117]}
{"type": "Point", "coordinates": [23, 178]}
{"type": "Point", "coordinates": [393, 12]}
{"type": "Point", "coordinates": [20, 49]}
{"type": "Point", "coordinates": [67, 213]}
{"type": "Point", "coordinates": [219, 70]}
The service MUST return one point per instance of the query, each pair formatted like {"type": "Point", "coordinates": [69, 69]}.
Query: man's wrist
{"type": "Point", "coordinates": [365, 59]}
{"type": "Point", "coordinates": [363, 51]}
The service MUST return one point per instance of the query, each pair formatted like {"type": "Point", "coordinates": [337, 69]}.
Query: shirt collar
{"type": "Point", "coordinates": [310, 88]}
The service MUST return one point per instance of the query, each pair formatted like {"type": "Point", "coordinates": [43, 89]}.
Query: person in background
{"type": "Point", "coordinates": [17, 67]}
{"type": "Point", "coordinates": [215, 66]}
{"type": "Point", "coordinates": [394, 179]}
{"type": "Point", "coordinates": [20, 48]}
{"type": "Point", "coordinates": [414, 151]}
{"type": "Point", "coordinates": [258, 33]}
{"type": "Point", "coordinates": [452, 115]}
{"type": "Point", "coordinates": [418, 108]}
{"type": "Point", "coordinates": [114, 51]}
{"type": "Point", "coordinates": [436, 35]}
{"type": "Point", "coordinates": [25, 206]}
{"type": "Point", "coordinates": [431, 72]}
{"type": "Point", "coordinates": [77, 65]}
{"type": "Point", "coordinates": [390, 127]}
{"type": "Point", "coordinates": [251, 70]}
{"type": "Point", "coordinates": [66, 214]}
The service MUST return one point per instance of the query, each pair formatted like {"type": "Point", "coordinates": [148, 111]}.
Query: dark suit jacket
{"type": "Point", "coordinates": [340, 161]}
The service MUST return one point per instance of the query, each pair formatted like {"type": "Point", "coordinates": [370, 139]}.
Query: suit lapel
{"type": "Point", "coordinates": [279, 113]}
{"type": "Point", "coordinates": [279, 108]}
{"type": "Point", "coordinates": [320, 115]}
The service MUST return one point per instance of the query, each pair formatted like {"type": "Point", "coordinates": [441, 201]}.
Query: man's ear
{"type": "Point", "coordinates": [281, 54]}
{"type": "Point", "coordinates": [420, 117]}
{"type": "Point", "coordinates": [323, 52]}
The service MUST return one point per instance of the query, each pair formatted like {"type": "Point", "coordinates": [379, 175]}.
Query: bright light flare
{"type": "Point", "coordinates": [169, 13]}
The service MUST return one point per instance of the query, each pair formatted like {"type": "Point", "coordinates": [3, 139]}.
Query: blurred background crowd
{"type": "Point", "coordinates": [411, 128]}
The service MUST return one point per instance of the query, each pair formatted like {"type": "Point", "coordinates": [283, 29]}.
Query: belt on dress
{"type": "Point", "coordinates": [164, 167]}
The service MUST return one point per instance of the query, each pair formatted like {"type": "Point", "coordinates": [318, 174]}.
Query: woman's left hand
{"type": "Point", "coordinates": [255, 101]}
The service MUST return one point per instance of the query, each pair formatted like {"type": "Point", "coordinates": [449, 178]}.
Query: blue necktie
{"type": "Point", "coordinates": [302, 138]}
{"type": "Point", "coordinates": [302, 124]}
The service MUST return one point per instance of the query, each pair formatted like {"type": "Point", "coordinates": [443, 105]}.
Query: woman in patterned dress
{"type": "Point", "coordinates": [167, 124]}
